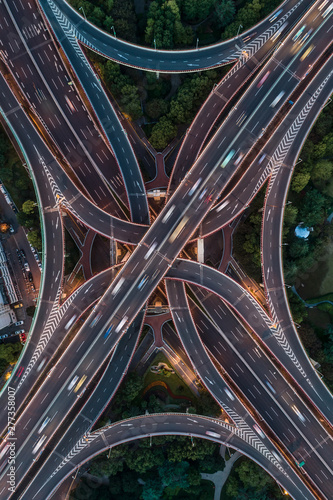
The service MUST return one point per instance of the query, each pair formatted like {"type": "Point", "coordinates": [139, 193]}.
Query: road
{"type": "Point", "coordinates": [62, 399]}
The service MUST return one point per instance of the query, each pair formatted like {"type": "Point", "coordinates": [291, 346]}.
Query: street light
{"type": "Point", "coordinates": [114, 31]}
{"type": "Point", "coordinates": [81, 8]}
{"type": "Point", "coordinates": [197, 44]}
{"type": "Point", "coordinates": [240, 26]}
{"type": "Point", "coordinates": [155, 43]}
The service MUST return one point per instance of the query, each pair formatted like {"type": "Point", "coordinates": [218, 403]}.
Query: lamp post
{"type": "Point", "coordinates": [197, 44]}
{"type": "Point", "coordinates": [114, 31]}
{"type": "Point", "coordinates": [155, 44]}
{"type": "Point", "coordinates": [240, 26]}
{"type": "Point", "coordinates": [81, 8]}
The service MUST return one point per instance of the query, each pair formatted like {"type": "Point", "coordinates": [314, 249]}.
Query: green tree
{"type": "Point", "coordinates": [312, 209]}
{"type": "Point", "coordinates": [298, 248]}
{"type": "Point", "coordinates": [28, 207]}
{"type": "Point", "coordinates": [299, 181]}
{"type": "Point", "coordinates": [290, 215]}
{"type": "Point", "coordinates": [162, 133]}
{"type": "Point", "coordinates": [174, 474]}
{"type": "Point", "coordinates": [322, 170]}
{"type": "Point", "coordinates": [131, 102]}
{"type": "Point", "coordinates": [193, 476]}
{"type": "Point", "coordinates": [232, 487]}
{"type": "Point", "coordinates": [156, 108]}
{"type": "Point", "coordinates": [132, 387]}
{"type": "Point", "coordinates": [152, 490]}
{"type": "Point", "coordinates": [35, 239]}
{"type": "Point", "coordinates": [10, 352]}
{"type": "Point", "coordinates": [253, 476]}
{"type": "Point", "coordinates": [225, 12]}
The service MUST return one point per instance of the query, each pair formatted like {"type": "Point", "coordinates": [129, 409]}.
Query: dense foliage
{"type": "Point", "coordinates": [248, 481]}
{"type": "Point", "coordinates": [16, 180]}
{"type": "Point", "coordinates": [167, 24]}
{"type": "Point", "coordinates": [9, 354]}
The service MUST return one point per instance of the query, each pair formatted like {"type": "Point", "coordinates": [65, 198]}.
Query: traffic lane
{"type": "Point", "coordinates": [111, 302]}
{"type": "Point", "coordinates": [66, 317]}
{"type": "Point", "coordinates": [200, 360]}
{"type": "Point", "coordinates": [278, 418]}
{"type": "Point", "coordinates": [185, 327]}
{"type": "Point", "coordinates": [251, 312]}
{"type": "Point", "coordinates": [165, 61]}
{"type": "Point", "coordinates": [165, 424]}
{"type": "Point", "coordinates": [76, 148]}
{"type": "Point", "coordinates": [108, 119]}
{"type": "Point", "coordinates": [104, 392]}
{"type": "Point", "coordinates": [51, 394]}
{"type": "Point", "coordinates": [220, 94]}
{"type": "Point", "coordinates": [79, 428]}
{"type": "Point", "coordinates": [204, 210]}
{"type": "Point", "coordinates": [81, 207]}
{"type": "Point", "coordinates": [232, 346]}
{"type": "Point", "coordinates": [273, 216]}
{"type": "Point", "coordinates": [172, 339]}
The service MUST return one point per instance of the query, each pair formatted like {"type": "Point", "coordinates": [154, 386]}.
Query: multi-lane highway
{"type": "Point", "coordinates": [50, 108]}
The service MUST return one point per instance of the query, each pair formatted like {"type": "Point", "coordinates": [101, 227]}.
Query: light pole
{"type": "Point", "coordinates": [114, 31]}
{"type": "Point", "coordinates": [240, 26]}
{"type": "Point", "coordinates": [81, 8]}
{"type": "Point", "coordinates": [197, 44]}
{"type": "Point", "coordinates": [155, 43]}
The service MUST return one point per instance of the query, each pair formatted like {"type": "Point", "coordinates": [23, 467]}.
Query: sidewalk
{"type": "Point", "coordinates": [219, 478]}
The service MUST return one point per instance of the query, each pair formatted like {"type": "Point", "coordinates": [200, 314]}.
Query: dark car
{"type": "Point", "coordinates": [30, 276]}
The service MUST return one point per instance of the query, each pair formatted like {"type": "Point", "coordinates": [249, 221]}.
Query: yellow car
{"type": "Point", "coordinates": [80, 382]}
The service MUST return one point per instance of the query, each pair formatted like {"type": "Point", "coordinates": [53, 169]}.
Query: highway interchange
{"type": "Point", "coordinates": [98, 180]}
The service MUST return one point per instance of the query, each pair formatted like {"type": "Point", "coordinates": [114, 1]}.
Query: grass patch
{"type": "Point", "coordinates": [173, 381]}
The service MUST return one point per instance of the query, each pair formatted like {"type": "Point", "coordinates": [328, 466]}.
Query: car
{"type": "Point", "coordinates": [276, 456]}
{"type": "Point", "coordinates": [38, 444]}
{"type": "Point", "coordinates": [73, 382]}
{"type": "Point", "coordinates": [23, 337]}
{"type": "Point", "coordinates": [19, 331]}
{"type": "Point", "coordinates": [80, 382]}
{"type": "Point", "coordinates": [19, 323]}
{"type": "Point", "coordinates": [33, 288]}
{"type": "Point", "coordinates": [4, 336]}
{"type": "Point", "coordinates": [298, 413]}
{"type": "Point", "coordinates": [26, 266]}
{"type": "Point", "coordinates": [11, 229]}
{"type": "Point", "coordinates": [229, 393]}
{"type": "Point", "coordinates": [213, 434]}
{"type": "Point", "coordinates": [41, 364]}
{"type": "Point", "coordinates": [269, 385]}
{"type": "Point", "coordinates": [258, 430]}
{"type": "Point", "coordinates": [44, 424]}
{"type": "Point", "coordinates": [30, 278]}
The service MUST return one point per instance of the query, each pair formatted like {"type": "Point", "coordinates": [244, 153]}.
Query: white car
{"type": "Point", "coordinates": [38, 444]}
{"type": "Point", "coordinates": [44, 424]}
{"type": "Point", "coordinates": [259, 431]}
{"type": "Point", "coordinates": [229, 394]}
{"type": "Point", "coordinates": [18, 323]}
{"type": "Point", "coordinates": [73, 382]}
{"type": "Point", "coordinates": [298, 413]}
